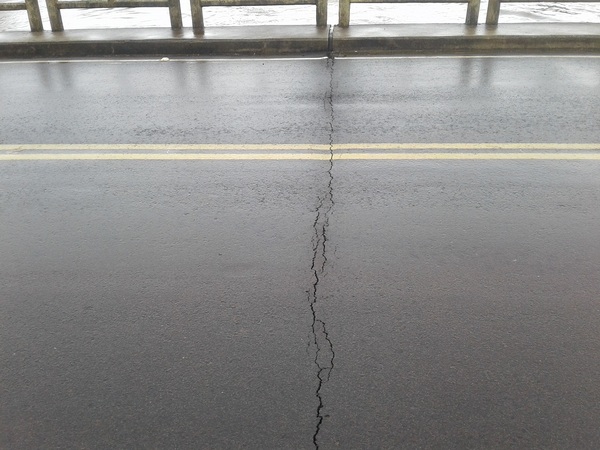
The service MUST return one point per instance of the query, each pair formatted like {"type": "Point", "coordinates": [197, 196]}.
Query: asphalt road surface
{"type": "Point", "coordinates": [359, 253]}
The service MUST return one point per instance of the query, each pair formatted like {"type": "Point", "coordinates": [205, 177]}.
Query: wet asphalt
{"type": "Point", "coordinates": [300, 303]}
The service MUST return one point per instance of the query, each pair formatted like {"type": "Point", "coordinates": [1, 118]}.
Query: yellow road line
{"type": "Point", "coordinates": [524, 146]}
{"type": "Point", "coordinates": [163, 156]}
{"type": "Point", "coordinates": [161, 147]}
{"type": "Point", "coordinates": [294, 156]}
{"type": "Point", "coordinates": [468, 156]}
{"type": "Point", "coordinates": [471, 146]}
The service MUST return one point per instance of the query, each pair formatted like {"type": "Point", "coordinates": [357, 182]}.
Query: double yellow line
{"type": "Point", "coordinates": [317, 152]}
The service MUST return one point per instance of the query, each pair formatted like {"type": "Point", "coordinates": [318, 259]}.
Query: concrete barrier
{"type": "Point", "coordinates": [410, 39]}
{"type": "Point", "coordinates": [405, 39]}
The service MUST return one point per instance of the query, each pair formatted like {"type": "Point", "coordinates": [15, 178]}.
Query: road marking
{"type": "Point", "coordinates": [469, 146]}
{"type": "Point", "coordinates": [163, 156]}
{"type": "Point", "coordinates": [468, 156]}
{"type": "Point", "coordinates": [163, 147]}
{"type": "Point", "coordinates": [117, 60]}
{"type": "Point", "coordinates": [522, 146]}
{"type": "Point", "coordinates": [467, 57]}
{"type": "Point", "coordinates": [293, 156]}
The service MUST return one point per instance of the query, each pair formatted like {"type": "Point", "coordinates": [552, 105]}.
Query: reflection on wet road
{"type": "Point", "coordinates": [300, 253]}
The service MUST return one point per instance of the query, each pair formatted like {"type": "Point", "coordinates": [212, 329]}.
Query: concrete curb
{"type": "Point", "coordinates": [410, 39]}
{"type": "Point", "coordinates": [461, 39]}
{"type": "Point", "coordinates": [227, 41]}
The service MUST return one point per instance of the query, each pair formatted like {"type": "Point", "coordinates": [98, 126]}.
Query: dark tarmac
{"type": "Point", "coordinates": [274, 296]}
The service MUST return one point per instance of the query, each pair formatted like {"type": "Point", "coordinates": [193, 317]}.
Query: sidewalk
{"type": "Point", "coordinates": [406, 39]}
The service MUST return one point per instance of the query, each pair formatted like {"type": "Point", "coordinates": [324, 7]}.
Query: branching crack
{"type": "Point", "coordinates": [324, 353]}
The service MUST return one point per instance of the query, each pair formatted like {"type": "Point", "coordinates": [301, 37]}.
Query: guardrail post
{"type": "Point", "coordinates": [56, 22]}
{"type": "Point", "coordinates": [35, 18]}
{"type": "Point", "coordinates": [344, 14]}
{"type": "Point", "coordinates": [175, 14]}
{"type": "Point", "coordinates": [321, 13]}
{"type": "Point", "coordinates": [493, 12]}
{"type": "Point", "coordinates": [473, 12]}
{"type": "Point", "coordinates": [197, 18]}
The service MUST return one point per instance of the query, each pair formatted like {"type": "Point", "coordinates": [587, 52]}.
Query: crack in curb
{"type": "Point", "coordinates": [324, 353]}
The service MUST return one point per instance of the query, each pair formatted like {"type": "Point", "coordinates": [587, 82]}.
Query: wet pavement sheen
{"type": "Point", "coordinates": [304, 303]}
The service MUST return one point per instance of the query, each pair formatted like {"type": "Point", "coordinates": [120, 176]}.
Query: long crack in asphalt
{"type": "Point", "coordinates": [324, 353]}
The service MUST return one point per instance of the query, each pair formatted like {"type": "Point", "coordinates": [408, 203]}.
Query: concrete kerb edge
{"type": "Point", "coordinates": [163, 48]}
{"type": "Point", "coordinates": [332, 41]}
{"type": "Point", "coordinates": [470, 46]}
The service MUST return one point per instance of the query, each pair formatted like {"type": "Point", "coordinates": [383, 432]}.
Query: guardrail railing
{"type": "Point", "coordinates": [471, 19]}
{"type": "Point", "coordinates": [54, 7]}
{"type": "Point", "coordinates": [198, 19]}
{"type": "Point", "coordinates": [493, 11]}
{"type": "Point", "coordinates": [33, 12]}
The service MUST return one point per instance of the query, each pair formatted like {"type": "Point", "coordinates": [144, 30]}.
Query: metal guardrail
{"type": "Point", "coordinates": [54, 7]}
{"type": "Point", "coordinates": [472, 8]}
{"type": "Point", "coordinates": [33, 12]}
{"type": "Point", "coordinates": [198, 19]}
{"type": "Point", "coordinates": [493, 11]}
